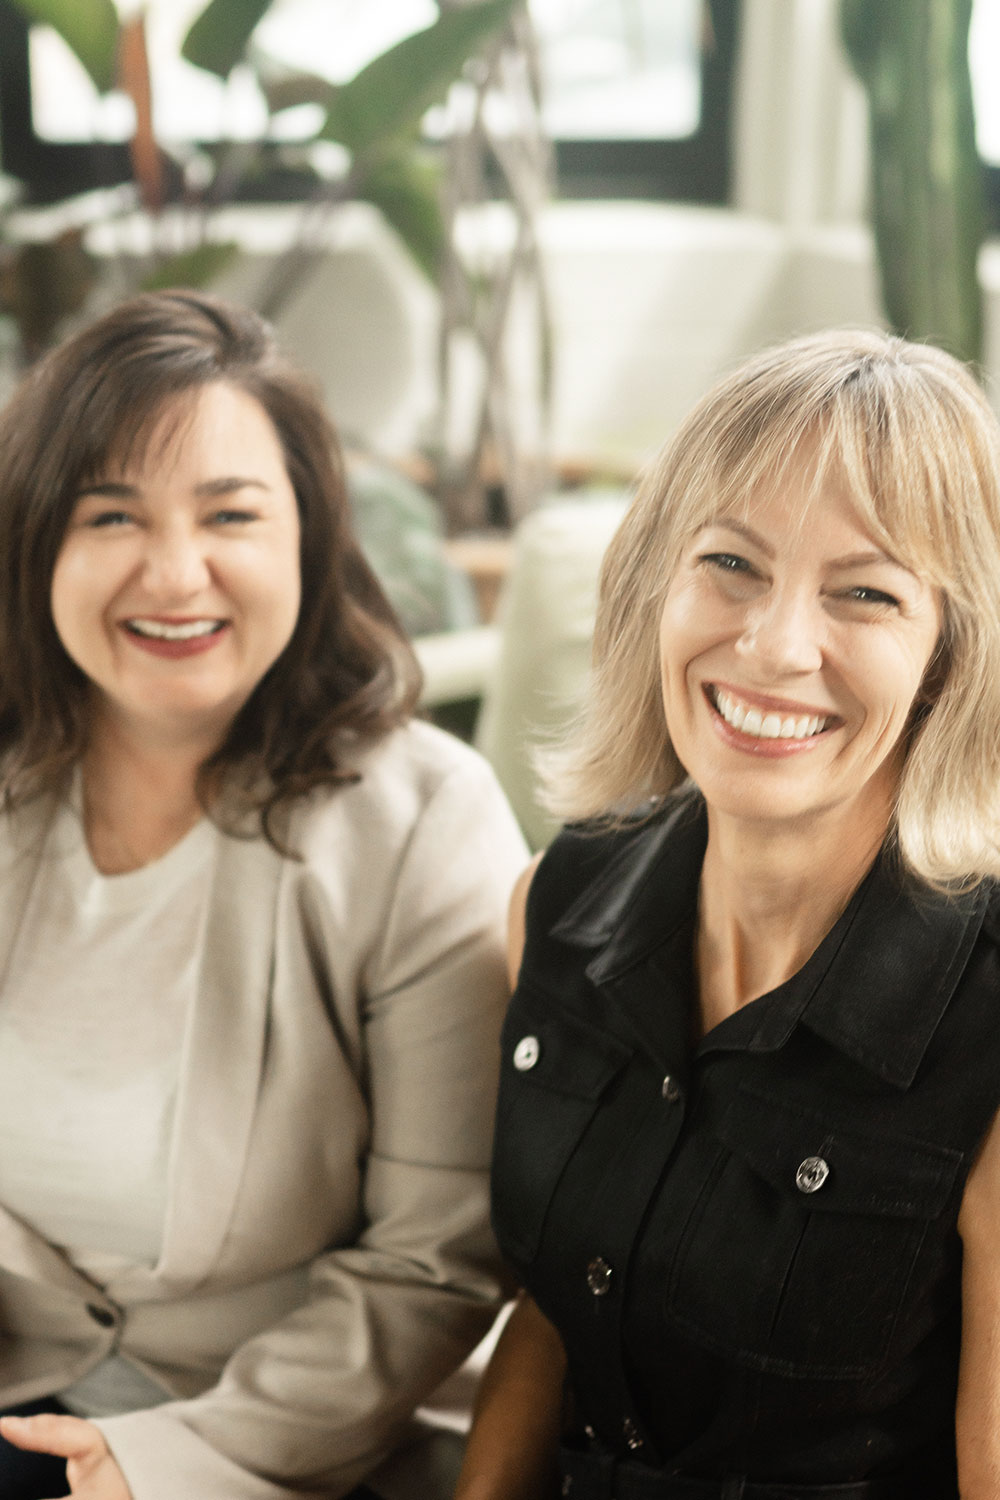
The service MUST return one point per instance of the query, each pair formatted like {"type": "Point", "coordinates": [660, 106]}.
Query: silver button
{"type": "Point", "coordinates": [671, 1090]}
{"type": "Point", "coordinates": [599, 1275]}
{"type": "Point", "coordinates": [811, 1174]}
{"type": "Point", "coordinates": [526, 1053]}
{"type": "Point", "coordinates": [630, 1432]}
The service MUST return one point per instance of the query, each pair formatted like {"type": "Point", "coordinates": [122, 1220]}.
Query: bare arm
{"type": "Point", "coordinates": [511, 1449]}
{"type": "Point", "coordinates": [515, 1428]}
{"type": "Point", "coordinates": [515, 919]}
{"type": "Point", "coordinates": [977, 1414]}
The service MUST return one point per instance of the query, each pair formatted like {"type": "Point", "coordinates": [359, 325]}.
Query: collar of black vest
{"type": "Point", "coordinates": [876, 988]}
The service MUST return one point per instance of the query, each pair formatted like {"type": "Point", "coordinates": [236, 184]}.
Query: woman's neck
{"type": "Point", "coordinates": [767, 898]}
{"type": "Point", "coordinates": [139, 798]}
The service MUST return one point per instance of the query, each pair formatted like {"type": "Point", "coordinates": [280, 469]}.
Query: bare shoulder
{"type": "Point", "coordinates": [515, 923]}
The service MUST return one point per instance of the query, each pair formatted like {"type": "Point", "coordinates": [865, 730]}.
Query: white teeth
{"type": "Point", "coordinates": [162, 631]}
{"type": "Point", "coordinates": [766, 726]}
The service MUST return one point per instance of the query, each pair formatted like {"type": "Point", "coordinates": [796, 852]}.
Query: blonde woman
{"type": "Point", "coordinates": [747, 1165]}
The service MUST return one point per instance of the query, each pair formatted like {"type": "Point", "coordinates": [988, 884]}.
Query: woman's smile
{"type": "Point", "coordinates": [766, 726]}
{"type": "Point", "coordinates": [173, 638]}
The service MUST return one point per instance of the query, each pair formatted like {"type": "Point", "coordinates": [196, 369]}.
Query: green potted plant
{"type": "Point", "coordinates": [926, 185]}
{"type": "Point", "coordinates": [375, 117]}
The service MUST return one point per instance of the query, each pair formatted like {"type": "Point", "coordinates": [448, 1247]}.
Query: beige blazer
{"type": "Point", "coordinates": [326, 1257]}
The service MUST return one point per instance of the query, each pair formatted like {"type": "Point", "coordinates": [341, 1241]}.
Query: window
{"type": "Point", "coordinates": [637, 92]}
{"type": "Point", "coordinates": [984, 49]}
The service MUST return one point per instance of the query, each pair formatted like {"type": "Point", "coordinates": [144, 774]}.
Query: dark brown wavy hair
{"type": "Point", "coordinates": [347, 673]}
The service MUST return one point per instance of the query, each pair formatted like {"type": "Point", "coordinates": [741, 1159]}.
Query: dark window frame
{"type": "Point", "coordinates": [694, 169]}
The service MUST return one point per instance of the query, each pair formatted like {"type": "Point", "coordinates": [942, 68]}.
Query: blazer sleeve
{"type": "Point", "coordinates": [311, 1405]}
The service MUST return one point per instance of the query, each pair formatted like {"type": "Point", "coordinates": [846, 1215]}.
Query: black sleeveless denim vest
{"type": "Point", "coordinates": [748, 1244]}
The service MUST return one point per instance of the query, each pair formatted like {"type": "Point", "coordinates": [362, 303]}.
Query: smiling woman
{"type": "Point", "coordinates": [250, 939]}
{"type": "Point", "coordinates": [747, 1163]}
{"type": "Point", "coordinates": [190, 554]}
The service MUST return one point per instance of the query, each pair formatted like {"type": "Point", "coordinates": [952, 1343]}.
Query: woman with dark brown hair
{"type": "Point", "coordinates": [249, 938]}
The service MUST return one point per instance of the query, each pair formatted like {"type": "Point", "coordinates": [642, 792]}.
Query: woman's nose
{"type": "Point", "coordinates": [175, 565]}
{"type": "Point", "coordinates": [783, 634]}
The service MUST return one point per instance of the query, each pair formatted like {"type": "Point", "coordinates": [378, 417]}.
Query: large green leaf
{"type": "Point", "coordinates": [217, 40]}
{"type": "Point", "coordinates": [390, 95]}
{"type": "Point", "coordinates": [926, 192]}
{"type": "Point", "coordinates": [406, 188]}
{"type": "Point", "coordinates": [88, 27]}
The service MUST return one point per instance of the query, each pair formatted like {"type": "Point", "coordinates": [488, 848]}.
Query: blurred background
{"type": "Point", "coordinates": [513, 240]}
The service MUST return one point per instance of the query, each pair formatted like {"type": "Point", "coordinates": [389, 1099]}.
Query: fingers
{"type": "Point", "coordinates": [65, 1437]}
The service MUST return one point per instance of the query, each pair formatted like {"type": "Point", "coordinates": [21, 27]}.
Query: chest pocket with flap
{"type": "Point", "coordinates": [799, 1251]}
{"type": "Point", "coordinates": [555, 1069]}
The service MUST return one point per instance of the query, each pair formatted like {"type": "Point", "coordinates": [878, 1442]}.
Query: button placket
{"type": "Point", "coordinates": [605, 1226]}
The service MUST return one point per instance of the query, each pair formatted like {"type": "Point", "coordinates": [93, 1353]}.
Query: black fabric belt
{"type": "Point", "coordinates": [597, 1476]}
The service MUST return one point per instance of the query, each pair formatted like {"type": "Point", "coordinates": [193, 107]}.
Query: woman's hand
{"type": "Point", "coordinates": [90, 1470]}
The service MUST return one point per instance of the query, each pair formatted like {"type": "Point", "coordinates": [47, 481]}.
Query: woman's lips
{"type": "Point", "coordinates": [766, 726]}
{"type": "Point", "coordinates": [174, 639]}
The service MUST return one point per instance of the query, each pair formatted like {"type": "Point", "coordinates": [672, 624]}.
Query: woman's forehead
{"type": "Point", "coordinates": [796, 496]}
{"type": "Point", "coordinates": [144, 435]}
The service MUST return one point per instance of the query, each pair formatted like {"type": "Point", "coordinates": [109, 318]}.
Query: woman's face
{"type": "Point", "coordinates": [792, 648]}
{"type": "Point", "coordinates": [177, 584]}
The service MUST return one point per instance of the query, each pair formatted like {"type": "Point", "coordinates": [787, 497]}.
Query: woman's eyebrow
{"type": "Point", "coordinates": [111, 489]}
{"type": "Point", "coordinates": [867, 558]}
{"type": "Point", "coordinates": [729, 523]}
{"type": "Point", "coordinates": [228, 483]}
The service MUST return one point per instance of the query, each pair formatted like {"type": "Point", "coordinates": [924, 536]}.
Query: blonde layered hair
{"type": "Point", "coordinates": [909, 432]}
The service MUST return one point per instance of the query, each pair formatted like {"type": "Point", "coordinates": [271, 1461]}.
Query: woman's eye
{"type": "Point", "coordinates": [232, 517]}
{"type": "Point", "coordinates": [727, 562]}
{"type": "Point", "coordinates": [879, 597]}
{"type": "Point", "coordinates": [104, 518]}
